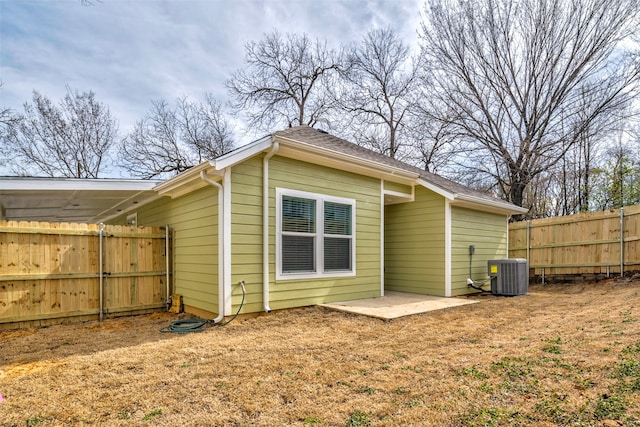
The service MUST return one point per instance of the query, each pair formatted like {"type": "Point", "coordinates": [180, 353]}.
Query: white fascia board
{"type": "Point", "coordinates": [474, 202]}
{"type": "Point", "coordinates": [189, 180]}
{"type": "Point", "coordinates": [180, 184]}
{"type": "Point", "coordinates": [495, 206]}
{"type": "Point", "coordinates": [74, 184]}
{"type": "Point", "coordinates": [242, 153]}
{"type": "Point", "coordinates": [341, 160]}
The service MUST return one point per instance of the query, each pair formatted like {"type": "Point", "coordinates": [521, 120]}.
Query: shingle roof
{"type": "Point", "coordinates": [309, 135]}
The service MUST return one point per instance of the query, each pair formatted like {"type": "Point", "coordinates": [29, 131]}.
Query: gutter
{"type": "Point", "coordinates": [265, 226]}
{"type": "Point", "coordinates": [221, 255]}
{"type": "Point", "coordinates": [470, 201]}
{"type": "Point", "coordinates": [503, 206]}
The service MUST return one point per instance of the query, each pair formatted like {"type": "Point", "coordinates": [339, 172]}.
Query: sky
{"type": "Point", "coordinates": [131, 52]}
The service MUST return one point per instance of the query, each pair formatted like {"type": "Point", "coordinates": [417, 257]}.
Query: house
{"type": "Point", "coordinates": [302, 217]}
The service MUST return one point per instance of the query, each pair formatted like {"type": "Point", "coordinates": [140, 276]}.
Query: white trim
{"type": "Point", "coordinates": [438, 190]}
{"type": "Point", "coordinates": [188, 180]}
{"type": "Point", "coordinates": [507, 245]}
{"type": "Point", "coordinates": [493, 205]}
{"type": "Point", "coordinates": [382, 207]}
{"type": "Point", "coordinates": [398, 197]}
{"type": "Point", "coordinates": [184, 182]}
{"type": "Point", "coordinates": [474, 202]}
{"type": "Point", "coordinates": [236, 156]}
{"type": "Point", "coordinates": [447, 248]}
{"type": "Point", "coordinates": [319, 241]}
{"type": "Point", "coordinates": [221, 276]}
{"type": "Point", "coordinates": [227, 240]}
{"type": "Point", "coordinates": [265, 227]}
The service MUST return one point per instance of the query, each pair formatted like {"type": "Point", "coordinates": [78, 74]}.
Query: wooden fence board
{"type": "Point", "coordinates": [51, 271]}
{"type": "Point", "coordinates": [592, 243]}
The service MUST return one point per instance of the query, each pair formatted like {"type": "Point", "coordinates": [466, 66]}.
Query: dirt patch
{"type": "Point", "coordinates": [562, 355]}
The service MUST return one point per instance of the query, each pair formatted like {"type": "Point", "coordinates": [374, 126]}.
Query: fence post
{"type": "Point", "coordinates": [528, 243]}
{"type": "Point", "coordinates": [101, 234]}
{"type": "Point", "coordinates": [622, 242]}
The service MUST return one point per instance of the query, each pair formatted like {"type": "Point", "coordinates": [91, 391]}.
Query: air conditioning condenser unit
{"type": "Point", "coordinates": [509, 276]}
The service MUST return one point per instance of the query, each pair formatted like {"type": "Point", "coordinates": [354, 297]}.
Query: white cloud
{"type": "Point", "coordinates": [132, 52]}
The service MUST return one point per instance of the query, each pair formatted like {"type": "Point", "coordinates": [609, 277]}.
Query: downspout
{"type": "Point", "coordinates": [382, 230]}
{"type": "Point", "coordinates": [221, 254]}
{"type": "Point", "coordinates": [265, 226]}
{"type": "Point", "coordinates": [167, 261]}
{"type": "Point", "coordinates": [447, 248]}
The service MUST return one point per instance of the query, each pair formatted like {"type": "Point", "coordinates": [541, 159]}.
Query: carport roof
{"type": "Point", "coordinates": [70, 199]}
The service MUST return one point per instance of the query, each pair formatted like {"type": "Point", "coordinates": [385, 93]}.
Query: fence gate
{"type": "Point", "coordinates": [53, 272]}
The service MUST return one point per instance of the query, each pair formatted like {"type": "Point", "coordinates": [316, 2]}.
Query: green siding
{"type": "Point", "coordinates": [414, 239]}
{"type": "Point", "coordinates": [296, 175]}
{"type": "Point", "coordinates": [487, 232]}
{"type": "Point", "coordinates": [246, 234]}
{"type": "Point", "coordinates": [194, 221]}
{"type": "Point", "coordinates": [414, 245]}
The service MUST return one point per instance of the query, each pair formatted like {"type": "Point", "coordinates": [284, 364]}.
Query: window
{"type": "Point", "coordinates": [315, 235]}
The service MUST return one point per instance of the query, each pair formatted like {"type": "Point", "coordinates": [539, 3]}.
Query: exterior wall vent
{"type": "Point", "coordinates": [509, 276]}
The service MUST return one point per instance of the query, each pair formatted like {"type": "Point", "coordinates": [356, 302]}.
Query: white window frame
{"type": "Point", "coordinates": [320, 199]}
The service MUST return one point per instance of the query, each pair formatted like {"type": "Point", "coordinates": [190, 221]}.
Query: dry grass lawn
{"type": "Point", "coordinates": [562, 355]}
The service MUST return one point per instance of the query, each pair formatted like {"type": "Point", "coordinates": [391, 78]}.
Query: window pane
{"type": "Point", "coordinates": [337, 254]}
{"type": "Point", "coordinates": [298, 254]}
{"type": "Point", "coordinates": [298, 215]}
{"type": "Point", "coordinates": [337, 218]}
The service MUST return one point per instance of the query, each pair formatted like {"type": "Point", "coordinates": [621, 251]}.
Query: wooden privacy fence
{"type": "Point", "coordinates": [587, 245]}
{"type": "Point", "coordinates": [50, 272]}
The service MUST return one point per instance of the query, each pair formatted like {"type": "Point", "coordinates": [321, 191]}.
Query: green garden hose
{"type": "Point", "coordinates": [197, 325]}
{"type": "Point", "coordinates": [186, 326]}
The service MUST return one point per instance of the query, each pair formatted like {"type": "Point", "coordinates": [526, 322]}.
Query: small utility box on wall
{"type": "Point", "coordinates": [509, 276]}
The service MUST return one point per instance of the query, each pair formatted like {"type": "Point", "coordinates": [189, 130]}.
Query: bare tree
{"type": "Point", "coordinates": [434, 145]}
{"type": "Point", "coordinates": [617, 180]}
{"type": "Point", "coordinates": [282, 81]}
{"type": "Point", "coordinates": [7, 118]}
{"type": "Point", "coordinates": [8, 122]}
{"type": "Point", "coordinates": [171, 140]}
{"type": "Point", "coordinates": [378, 93]}
{"type": "Point", "coordinates": [524, 80]}
{"type": "Point", "coordinates": [66, 140]}
{"type": "Point", "coordinates": [8, 126]}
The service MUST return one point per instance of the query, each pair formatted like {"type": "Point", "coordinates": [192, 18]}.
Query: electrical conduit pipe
{"type": "Point", "coordinates": [221, 254]}
{"type": "Point", "coordinates": [265, 226]}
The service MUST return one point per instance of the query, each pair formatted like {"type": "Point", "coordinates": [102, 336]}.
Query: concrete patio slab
{"type": "Point", "coordinates": [397, 304]}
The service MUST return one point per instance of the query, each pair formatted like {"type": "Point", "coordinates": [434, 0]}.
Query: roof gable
{"type": "Point", "coordinates": [316, 146]}
{"type": "Point", "coordinates": [451, 190]}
